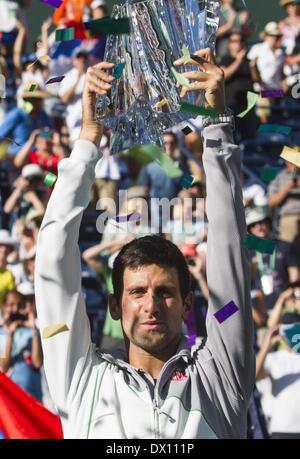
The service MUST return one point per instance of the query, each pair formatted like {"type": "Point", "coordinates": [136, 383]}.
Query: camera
{"type": "Point", "coordinates": [17, 316]}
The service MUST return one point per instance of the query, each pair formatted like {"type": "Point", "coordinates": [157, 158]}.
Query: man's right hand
{"type": "Point", "coordinates": [97, 82]}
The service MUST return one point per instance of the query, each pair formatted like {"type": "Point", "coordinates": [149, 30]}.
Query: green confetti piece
{"type": "Point", "coordinates": [156, 299]}
{"type": "Point", "coordinates": [186, 107]}
{"type": "Point", "coordinates": [50, 179]}
{"type": "Point", "coordinates": [180, 78]}
{"type": "Point", "coordinates": [186, 55]}
{"type": "Point", "coordinates": [147, 153]}
{"type": "Point", "coordinates": [269, 173]}
{"type": "Point", "coordinates": [259, 244]}
{"type": "Point", "coordinates": [64, 34]}
{"type": "Point", "coordinates": [32, 87]}
{"type": "Point", "coordinates": [119, 70]}
{"type": "Point", "coordinates": [286, 130]}
{"type": "Point", "coordinates": [108, 26]}
{"type": "Point", "coordinates": [187, 181]}
{"type": "Point", "coordinates": [27, 106]}
{"type": "Point", "coordinates": [251, 101]}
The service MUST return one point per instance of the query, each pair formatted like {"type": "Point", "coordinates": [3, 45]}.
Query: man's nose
{"type": "Point", "coordinates": [152, 303]}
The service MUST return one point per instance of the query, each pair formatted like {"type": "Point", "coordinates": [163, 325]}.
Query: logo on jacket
{"type": "Point", "coordinates": [178, 376]}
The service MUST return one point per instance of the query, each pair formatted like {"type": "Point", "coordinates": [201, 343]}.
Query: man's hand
{"type": "Point", "coordinates": [211, 80]}
{"type": "Point", "coordinates": [97, 82]}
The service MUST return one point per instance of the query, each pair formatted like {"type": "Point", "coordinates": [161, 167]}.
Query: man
{"type": "Point", "coordinates": [284, 194]}
{"type": "Point", "coordinates": [21, 121]}
{"type": "Point", "coordinates": [275, 271]}
{"type": "Point", "coordinates": [158, 183]}
{"type": "Point", "coordinates": [157, 389]}
{"type": "Point", "coordinates": [20, 345]}
{"type": "Point", "coordinates": [283, 371]}
{"type": "Point", "coordinates": [267, 59]}
{"type": "Point", "coordinates": [70, 92]}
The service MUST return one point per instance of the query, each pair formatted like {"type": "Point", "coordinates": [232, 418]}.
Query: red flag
{"type": "Point", "coordinates": [23, 417]}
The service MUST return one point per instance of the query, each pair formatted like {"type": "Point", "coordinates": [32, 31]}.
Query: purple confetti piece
{"type": "Point", "coordinates": [272, 93]}
{"type": "Point", "coordinates": [57, 79]}
{"type": "Point", "coordinates": [127, 218]}
{"type": "Point", "coordinates": [226, 311]}
{"type": "Point", "coordinates": [191, 326]}
{"type": "Point", "coordinates": [54, 3]}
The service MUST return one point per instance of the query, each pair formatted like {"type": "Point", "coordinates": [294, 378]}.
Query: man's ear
{"type": "Point", "coordinates": [114, 309]}
{"type": "Point", "coordinates": [187, 305]}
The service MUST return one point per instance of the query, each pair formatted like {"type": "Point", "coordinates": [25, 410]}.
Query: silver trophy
{"type": "Point", "coordinates": [144, 100]}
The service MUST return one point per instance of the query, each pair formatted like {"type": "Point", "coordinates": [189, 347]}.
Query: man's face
{"type": "Point", "coordinates": [170, 145]}
{"type": "Point", "coordinates": [44, 144]}
{"type": "Point", "coordinates": [81, 64]}
{"type": "Point", "coordinates": [273, 41]}
{"type": "Point", "coordinates": [260, 229]}
{"type": "Point", "coordinates": [13, 304]}
{"type": "Point", "coordinates": [152, 309]}
{"type": "Point", "coordinates": [99, 13]}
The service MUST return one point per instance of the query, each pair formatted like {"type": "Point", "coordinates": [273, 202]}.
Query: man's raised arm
{"type": "Point", "coordinates": [58, 266]}
{"type": "Point", "coordinates": [230, 343]}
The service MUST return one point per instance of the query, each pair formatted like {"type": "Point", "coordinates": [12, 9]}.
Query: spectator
{"type": "Point", "coordinates": [43, 154]}
{"type": "Point", "coordinates": [267, 59]}
{"type": "Point", "coordinates": [284, 194]}
{"type": "Point", "coordinates": [27, 194]}
{"type": "Point", "coordinates": [71, 10]}
{"type": "Point", "coordinates": [290, 26]}
{"type": "Point", "coordinates": [238, 81]}
{"type": "Point", "coordinates": [283, 369]}
{"type": "Point", "coordinates": [275, 271]}
{"type": "Point", "coordinates": [158, 183]}
{"type": "Point", "coordinates": [71, 92]}
{"type": "Point", "coordinates": [99, 9]}
{"type": "Point", "coordinates": [20, 122]}
{"type": "Point", "coordinates": [231, 19]}
{"type": "Point", "coordinates": [7, 282]}
{"type": "Point", "coordinates": [288, 301]}
{"type": "Point", "coordinates": [22, 350]}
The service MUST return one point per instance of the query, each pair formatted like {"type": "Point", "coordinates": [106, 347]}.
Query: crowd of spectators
{"type": "Point", "coordinates": [38, 126]}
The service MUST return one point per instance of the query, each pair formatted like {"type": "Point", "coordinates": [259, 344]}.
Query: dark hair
{"type": "Point", "coordinates": [150, 250]}
{"type": "Point", "coordinates": [12, 292]}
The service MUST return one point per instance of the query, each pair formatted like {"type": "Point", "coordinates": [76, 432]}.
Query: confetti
{"type": "Point", "coordinates": [272, 93]}
{"type": "Point", "coordinates": [156, 299]}
{"type": "Point", "coordinates": [57, 79]}
{"type": "Point", "coordinates": [187, 181]}
{"type": "Point", "coordinates": [50, 179]}
{"type": "Point", "coordinates": [119, 70]}
{"type": "Point", "coordinates": [108, 26]}
{"type": "Point", "coordinates": [27, 106]}
{"type": "Point", "coordinates": [64, 34]}
{"type": "Point", "coordinates": [186, 107]}
{"type": "Point", "coordinates": [161, 103]}
{"type": "Point", "coordinates": [54, 3]}
{"type": "Point", "coordinates": [286, 130]}
{"type": "Point", "coordinates": [151, 152]}
{"type": "Point", "coordinates": [187, 130]}
{"type": "Point", "coordinates": [127, 218]}
{"type": "Point", "coordinates": [226, 311]}
{"type": "Point", "coordinates": [259, 244]}
{"type": "Point", "coordinates": [291, 155]}
{"type": "Point", "coordinates": [186, 55]}
{"type": "Point", "coordinates": [53, 330]}
{"type": "Point", "coordinates": [251, 101]}
{"type": "Point", "coordinates": [269, 173]}
{"type": "Point", "coordinates": [180, 78]}
{"type": "Point", "coordinates": [2, 87]}
{"type": "Point", "coordinates": [32, 87]}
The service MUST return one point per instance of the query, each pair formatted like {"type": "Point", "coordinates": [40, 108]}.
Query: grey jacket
{"type": "Point", "coordinates": [204, 395]}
